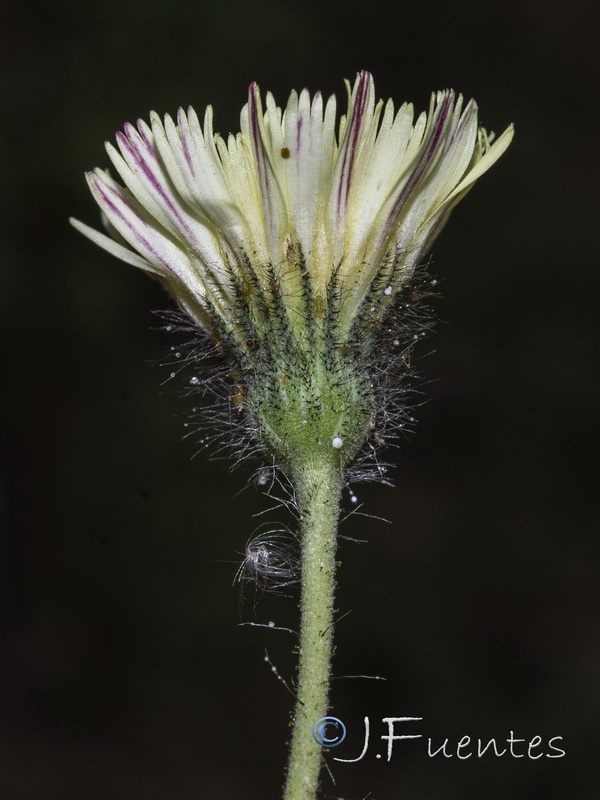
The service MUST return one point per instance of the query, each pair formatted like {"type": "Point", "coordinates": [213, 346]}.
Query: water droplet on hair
{"type": "Point", "coordinates": [396, 342]}
{"type": "Point", "coordinates": [353, 498]}
{"type": "Point", "coordinates": [168, 328]}
{"type": "Point", "coordinates": [173, 374]}
{"type": "Point", "coordinates": [388, 290]}
{"type": "Point", "coordinates": [337, 442]}
{"type": "Point", "coordinates": [194, 380]}
{"type": "Point", "coordinates": [271, 624]}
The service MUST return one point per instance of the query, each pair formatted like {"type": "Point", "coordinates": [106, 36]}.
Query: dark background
{"type": "Point", "coordinates": [123, 673]}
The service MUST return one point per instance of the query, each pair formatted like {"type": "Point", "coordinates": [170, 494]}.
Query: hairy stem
{"type": "Point", "coordinates": [319, 487]}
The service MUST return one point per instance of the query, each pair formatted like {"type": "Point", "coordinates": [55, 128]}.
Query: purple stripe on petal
{"type": "Point", "coordinates": [122, 139]}
{"type": "Point", "coordinates": [424, 161]}
{"type": "Point", "coordinates": [145, 133]}
{"type": "Point", "coordinates": [142, 161]}
{"type": "Point", "coordinates": [437, 132]}
{"type": "Point", "coordinates": [256, 137]}
{"type": "Point", "coordinates": [267, 185]}
{"type": "Point", "coordinates": [317, 99]}
{"type": "Point", "coordinates": [299, 124]}
{"type": "Point", "coordinates": [185, 140]}
{"type": "Point", "coordinates": [109, 203]}
{"type": "Point", "coordinates": [354, 128]}
{"type": "Point", "coordinates": [462, 123]}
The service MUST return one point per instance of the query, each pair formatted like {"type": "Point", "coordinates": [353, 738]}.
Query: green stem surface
{"type": "Point", "coordinates": [319, 485]}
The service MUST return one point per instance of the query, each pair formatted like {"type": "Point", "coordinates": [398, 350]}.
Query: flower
{"type": "Point", "coordinates": [218, 220]}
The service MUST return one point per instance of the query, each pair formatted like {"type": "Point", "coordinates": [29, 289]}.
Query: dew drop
{"type": "Point", "coordinates": [168, 328]}
{"type": "Point", "coordinates": [271, 624]}
{"type": "Point", "coordinates": [173, 374]}
{"type": "Point", "coordinates": [434, 282]}
{"type": "Point", "coordinates": [388, 290]}
{"type": "Point", "coordinates": [396, 342]}
{"type": "Point", "coordinates": [354, 499]}
{"type": "Point", "coordinates": [177, 355]}
{"type": "Point", "coordinates": [194, 380]}
{"type": "Point", "coordinates": [262, 479]}
{"type": "Point", "coordinates": [337, 442]}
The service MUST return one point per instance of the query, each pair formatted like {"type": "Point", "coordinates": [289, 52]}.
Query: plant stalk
{"type": "Point", "coordinates": [319, 488]}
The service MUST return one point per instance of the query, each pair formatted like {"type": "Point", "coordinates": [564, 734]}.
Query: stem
{"type": "Point", "coordinates": [319, 487]}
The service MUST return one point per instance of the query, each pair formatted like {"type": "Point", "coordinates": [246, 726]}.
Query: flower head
{"type": "Point", "coordinates": [289, 191]}
{"type": "Point", "coordinates": [289, 242]}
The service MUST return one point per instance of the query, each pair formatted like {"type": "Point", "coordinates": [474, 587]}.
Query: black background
{"type": "Point", "coordinates": [123, 672]}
